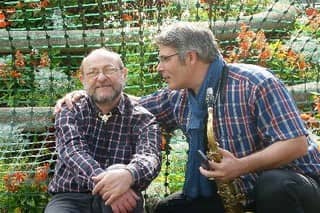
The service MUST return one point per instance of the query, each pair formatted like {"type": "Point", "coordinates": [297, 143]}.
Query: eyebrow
{"type": "Point", "coordinates": [106, 66]}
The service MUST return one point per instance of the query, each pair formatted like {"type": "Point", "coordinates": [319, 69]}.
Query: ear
{"type": "Point", "coordinates": [81, 78]}
{"type": "Point", "coordinates": [191, 57]}
{"type": "Point", "coordinates": [124, 72]}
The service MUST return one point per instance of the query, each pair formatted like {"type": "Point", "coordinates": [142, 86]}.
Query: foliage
{"type": "Point", "coordinates": [311, 24]}
{"type": "Point", "coordinates": [174, 155]}
{"type": "Point", "coordinates": [254, 48]}
{"type": "Point", "coordinates": [23, 182]}
{"type": "Point", "coordinates": [312, 118]}
{"type": "Point", "coordinates": [33, 85]}
{"type": "Point", "coordinates": [231, 8]}
{"type": "Point", "coordinates": [74, 14]}
{"type": "Point", "coordinates": [11, 141]}
{"type": "Point", "coordinates": [39, 77]}
{"type": "Point", "coordinates": [24, 14]}
{"type": "Point", "coordinates": [23, 191]}
{"type": "Point", "coordinates": [306, 37]}
{"type": "Point", "coordinates": [29, 80]}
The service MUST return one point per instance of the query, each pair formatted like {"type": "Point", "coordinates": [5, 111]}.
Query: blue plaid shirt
{"type": "Point", "coordinates": [253, 111]}
{"type": "Point", "coordinates": [86, 145]}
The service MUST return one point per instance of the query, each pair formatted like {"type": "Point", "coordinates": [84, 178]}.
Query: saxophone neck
{"type": "Point", "coordinates": [210, 119]}
{"type": "Point", "coordinates": [209, 97]}
{"type": "Point", "coordinates": [209, 101]}
{"type": "Point", "coordinates": [210, 130]}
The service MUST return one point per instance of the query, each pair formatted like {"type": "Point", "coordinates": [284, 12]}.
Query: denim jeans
{"type": "Point", "coordinates": [81, 203]}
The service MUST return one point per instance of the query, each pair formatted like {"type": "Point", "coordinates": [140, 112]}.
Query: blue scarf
{"type": "Point", "coordinates": [196, 184]}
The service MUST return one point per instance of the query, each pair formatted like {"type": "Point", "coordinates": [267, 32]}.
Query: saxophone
{"type": "Point", "coordinates": [228, 192]}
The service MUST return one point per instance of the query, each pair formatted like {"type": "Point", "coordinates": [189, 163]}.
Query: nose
{"type": "Point", "coordinates": [101, 76]}
{"type": "Point", "coordinates": [159, 67]}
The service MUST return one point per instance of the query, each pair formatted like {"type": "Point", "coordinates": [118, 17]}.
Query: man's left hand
{"type": "Point", "coordinates": [125, 203]}
{"type": "Point", "coordinates": [111, 184]}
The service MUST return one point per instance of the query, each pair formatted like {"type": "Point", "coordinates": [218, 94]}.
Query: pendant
{"type": "Point", "coordinates": [105, 117]}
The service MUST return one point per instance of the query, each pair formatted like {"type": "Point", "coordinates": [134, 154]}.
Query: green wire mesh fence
{"type": "Point", "coordinates": [43, 41]}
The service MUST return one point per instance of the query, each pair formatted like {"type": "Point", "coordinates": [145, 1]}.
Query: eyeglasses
{"type": "Point", "coordinates": [165, 58]}
{"type": "Point", "coordinates": [107, 71]}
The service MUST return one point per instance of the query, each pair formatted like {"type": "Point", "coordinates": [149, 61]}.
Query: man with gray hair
{"type": "Point", "coordinates": [263, 143]}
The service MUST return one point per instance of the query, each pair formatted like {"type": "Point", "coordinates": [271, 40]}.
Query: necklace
{"type": "Point", "coordinates": [105, 117]}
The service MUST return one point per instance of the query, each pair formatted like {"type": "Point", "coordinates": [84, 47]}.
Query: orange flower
{"type": "Point", "coordinates": [44, 3]}
{"type": "Point", "coordinates": [163, 143]}
{"type": "Point", "coordinates": [260, 40]}
{"type": "Point", "coordinates": [305, 116]}
{"type": "Point", "coordinates": [311, 12]}
{"type": "Point", "coordinates": [3, 22]}
{"type": "Point", "coordinates": [44, 60]}
{"type": "Point", "coordinates": [317, 106]}
{"type": "Point", "coordinates": [43, 188]}
{"type": "Point", "coordinates": [127, 17]}
{"type": "Point", "coordinates": [265, 53]}
{"type": "Point", "coordinates": [41, 173]}
{"type": "Point", "coordinates": [281, 53]}
{"type": "Point", "coordinates": [20, 176]}
{"type": "Point", "coordinates": [15, 74]}
{"type": "Point", "coordinates": [302, 64]}
{"type": "Point", "coordinates": [291, 55]}
{"type": "Point", "coordinates": [19, 61]}
{"type": "Point", "coordinates": [245, 33]}
{"type": "Point", "coordinates": [245, 45]}
{"type": "Point", "coordinates": [314, 22]}
{"type": "Point", "coordinates": [13, 181]}
{"type": "Point", "coordinates": [313, 123]}
{"type": "Point", "coordinates": [3, 72]}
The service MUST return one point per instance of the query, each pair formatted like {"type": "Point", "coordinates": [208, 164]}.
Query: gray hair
{"type": "Point", "coordinates": [187, 36]}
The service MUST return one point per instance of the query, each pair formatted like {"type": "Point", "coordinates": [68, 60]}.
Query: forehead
{"type": "Point", "coordinates": [99, 59]}
{"type": "Point", "coordinates": [165, 49]}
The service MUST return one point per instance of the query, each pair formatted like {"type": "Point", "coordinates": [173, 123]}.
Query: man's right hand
{"type": "Point", "coordinates": [69, 99]}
